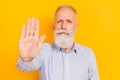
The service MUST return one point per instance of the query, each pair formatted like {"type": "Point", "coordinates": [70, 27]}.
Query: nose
{"type": "Point", "coordinates": [63, 26]}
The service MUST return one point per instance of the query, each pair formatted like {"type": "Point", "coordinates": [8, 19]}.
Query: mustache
{"type": "Point", "coordinates": [59, 32]}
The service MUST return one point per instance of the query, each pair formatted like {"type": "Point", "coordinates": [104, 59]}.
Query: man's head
{"type": "Point", "coordinates": [65, 26]}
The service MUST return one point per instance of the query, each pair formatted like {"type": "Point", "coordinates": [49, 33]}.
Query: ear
{"type": "Point", "coordinates": [76, 27]}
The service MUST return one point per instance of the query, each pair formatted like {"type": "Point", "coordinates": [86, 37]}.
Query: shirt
{"type": "Point", "coordinates": [55, 64]}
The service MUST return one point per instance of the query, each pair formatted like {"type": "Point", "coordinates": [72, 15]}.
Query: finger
{"type": "Point", "coordinates": [40, 41]}
{"type": "Point", "coordinates": [32, 26]}
{"type": "Point", "coordinates": [38, 46]}
{"type": "Point", "coordinates": [23, 31]}
{"type": "Point", "coordinates": [27, 29]}
{"type": "Point", "coordinates": [36, 32]}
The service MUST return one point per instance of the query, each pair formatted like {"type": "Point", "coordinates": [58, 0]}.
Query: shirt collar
{"type": "Point", "coordinates": [74, 49]}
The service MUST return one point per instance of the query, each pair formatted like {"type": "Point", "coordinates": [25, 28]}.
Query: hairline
{"type": "Point", "coordinates": [65, 6]}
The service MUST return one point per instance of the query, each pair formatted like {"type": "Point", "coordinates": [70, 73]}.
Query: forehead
{"type": "Point", "coordinates": [65, 13]}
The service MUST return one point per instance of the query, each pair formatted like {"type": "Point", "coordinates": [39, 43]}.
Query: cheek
{"type": "Point", "coordinates": [57, 26]}
{"type": "Point", "coordinates": [70, 27]}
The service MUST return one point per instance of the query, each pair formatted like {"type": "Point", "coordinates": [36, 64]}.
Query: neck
{"type": "Point", "coordinates": [67, 49]}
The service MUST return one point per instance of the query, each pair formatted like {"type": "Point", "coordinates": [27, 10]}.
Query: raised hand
{"type": "Point", "coordinates": [30, 44]}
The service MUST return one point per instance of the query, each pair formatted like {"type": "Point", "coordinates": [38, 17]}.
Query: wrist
{"type": "Point", "coordinates": [26, 59]}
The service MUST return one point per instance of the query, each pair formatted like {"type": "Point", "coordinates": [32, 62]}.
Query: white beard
{"type": "Point", "coordinates": [64, 39]}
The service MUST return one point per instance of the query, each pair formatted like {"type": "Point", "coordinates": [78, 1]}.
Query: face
{"type": "Point", "coordinates": [65, 19]}
{"type": "Point", "coordinates": [65, 26]}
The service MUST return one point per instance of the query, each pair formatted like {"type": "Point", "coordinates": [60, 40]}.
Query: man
{"type": "Point", "coordinates": [62, 60]}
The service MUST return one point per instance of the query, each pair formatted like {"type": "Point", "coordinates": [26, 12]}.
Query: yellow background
{"type": "Point", "coordinates": [99, 29]}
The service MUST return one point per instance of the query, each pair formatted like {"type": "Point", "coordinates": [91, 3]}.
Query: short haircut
{"type": "Point", "coordinates": [66, 6]}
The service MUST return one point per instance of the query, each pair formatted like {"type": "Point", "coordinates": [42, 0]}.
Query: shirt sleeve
{"type": "Point", "coordinates": [93, 70]}
{"type": "Point", "coordinates": [35, 64]}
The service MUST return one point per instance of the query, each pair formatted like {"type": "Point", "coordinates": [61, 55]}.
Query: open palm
{"type": "Point", "coordinates": [30, 44]}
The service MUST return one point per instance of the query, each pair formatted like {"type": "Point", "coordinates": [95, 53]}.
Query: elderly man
{"type": "Point", "coordinates": [61, 60]}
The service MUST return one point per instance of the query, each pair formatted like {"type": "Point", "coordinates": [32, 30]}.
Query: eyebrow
{"type": "Point", "coordinates": [68, 20]}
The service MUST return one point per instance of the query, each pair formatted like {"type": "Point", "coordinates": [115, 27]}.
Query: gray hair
{"type": "Point", "coordinates": [66, 6]}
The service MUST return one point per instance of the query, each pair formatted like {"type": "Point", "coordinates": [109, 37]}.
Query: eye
{"type": "Point", "coordinates": [69, 21]}
{"type": "Point", "coordinates": [59, 21]}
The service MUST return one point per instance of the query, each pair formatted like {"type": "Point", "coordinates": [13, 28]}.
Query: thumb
{"type": "Point", "coordinates": [40, 41]}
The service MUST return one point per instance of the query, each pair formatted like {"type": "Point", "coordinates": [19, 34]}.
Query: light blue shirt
{"type": "Point", "coordinates": [55, 64]}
